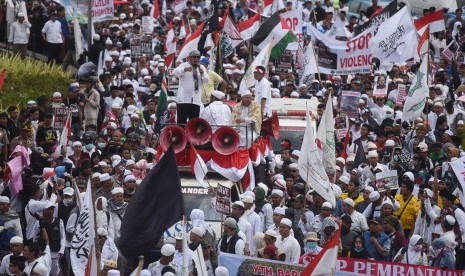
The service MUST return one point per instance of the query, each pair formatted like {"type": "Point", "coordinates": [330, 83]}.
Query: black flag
{"type": "Point", "coordinates": [156, 206]}
{"type": "Point", "coordinates": [212, 24]}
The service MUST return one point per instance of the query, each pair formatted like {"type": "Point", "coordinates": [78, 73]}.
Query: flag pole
{"type": "Point", "coordinates": [316, 59]}
{"type": "Point", "coordinates": [427, 82]}
{"type": "Point", "coordinates": [98, 257]}
{"type": "Point", "coordinates": [185, 268]}
{"type": "Point", "coordinates": [140, 265]}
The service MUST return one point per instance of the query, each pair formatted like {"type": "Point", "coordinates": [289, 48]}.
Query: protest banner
{"type": "Point", "coordinates": [294, 19]}
{"type": "Point", "coordinates": [179, 6]}
{"type": "Point", "coordinates": [223, 199]}
{"type": "Point", "coordinates": [367, 267]}
{"type": "Point", "coordinates": [380, 89]}
{"type": "Point", "coordinates": [284, 63]}
{"type": "Point", "coordinates": [458, 166]}
{"type": "Point", "coordinates": [102, 10]}
{"type": "Point", "coordinates": [349, 103]}
{"type": "Point", "coordinates": [141, 45]}
{"type": "Point", "coordinates": [387, 179]}
{"type": "Point", "coordinates": [147, 24]}
{"type": "Point", "coordinates": [61, 114]}
{"type": "Point", "coordinates": [341, 126]}
{"type": "Point", "coordinates": [337, 57]}
{"type": "Point", "coordinates": [402, 93]}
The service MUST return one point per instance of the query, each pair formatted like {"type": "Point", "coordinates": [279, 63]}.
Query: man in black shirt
{"type": "Point", "coordinates": [46, 137]}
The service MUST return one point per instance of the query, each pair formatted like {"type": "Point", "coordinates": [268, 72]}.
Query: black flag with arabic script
{"type": "Point", "coordinates": [156, 206]}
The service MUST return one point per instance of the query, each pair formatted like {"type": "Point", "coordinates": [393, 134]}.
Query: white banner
{"type": "Point", "coordinates": [147, 24]}
{"type": "Point", "coordinates": [102, 10]}
{"type": "Point", "coordinates": [309, 63]}
{"type": "Point", "coordinates": [398, 39]}
{"type": "Point", "coordinates": [294, 19]}
{"type": "Point", "coordinates": [416, 96]}
{"type": "Point", "coordinates": [83, 242]}
{"type": "Point", "coordinates": [178, 5]}
{"type": "Point", "coordinates": [325, 134]}
{"type": "Point", "coordinates": [311, 167]}
{"type": "Point", "coordinates": [342, 57]}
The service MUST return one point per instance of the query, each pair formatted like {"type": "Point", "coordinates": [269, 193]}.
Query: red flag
{"type": "Point", "coordinates": [155, 9]}
{"type": "Point", "coordinates": [346, 144]}
{"type": "Point", "coordinates": [434, 20]}
{"type": "Point", "coordinates": [66, 134]}
{"type": "Point", "coordinates": [2, 78]}
{"type": "Point", "coordinates": [325, 261]}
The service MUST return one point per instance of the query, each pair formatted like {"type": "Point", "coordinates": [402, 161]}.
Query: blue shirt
{"type": "Point", "coordinates": [382, 239]}
{"type": "Point", "coordinates": [64, 27]}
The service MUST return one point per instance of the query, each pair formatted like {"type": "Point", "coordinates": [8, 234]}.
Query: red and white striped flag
{"type": "Point", "coordinates": [198, 166]}
{"type": "Point", "coordinates": [325, 262]}
{"type": "Point", "coordinates": [66, 133]}
{"type": "Point", "coordinates": [434, 20]}
{"type": "Point", "coordinates": [191, 43]}
{"type": "Point", "coordinates": [423, 42]}
{"type": "Point", "coordinates": [155, 10]}
{"type": "Point", "coordinates": [248, 28]}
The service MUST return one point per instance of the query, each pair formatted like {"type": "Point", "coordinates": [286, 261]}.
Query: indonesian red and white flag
{"type": "Point", "coordinates": [83, 256]}
{"type": "Point", "coordinates": [184, 31]}
{"type": "Point", "coordinates": [171, 40]}
{"type": "Point", "coordinates": [199, 169]}
{"type": "Point", "coordinates": [325, 262]}
{"type": "Point", "coordinates": [423, 42]}
{"type": "Point", "coordinates": [155, 10]}
{"type": "Point", "coordinates": [434, 20]}
{"type": "Point", "coordinates": [248, 28]}
{"type": "Point", "coordinates": [191, 43]}
{"type": "Point", "coordinates": [66, 133]}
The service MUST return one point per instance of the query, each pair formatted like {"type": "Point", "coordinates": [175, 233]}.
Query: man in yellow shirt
{"type": "Point", "coordinates": [352, 191]}
{"type": "Point", "coordinates": [409, 206]}
{"type": "Point", "coordinates": [213, 80]}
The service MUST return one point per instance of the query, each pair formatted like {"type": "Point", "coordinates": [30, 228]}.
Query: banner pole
{"type": "Point", "coordinates": [185, 268]}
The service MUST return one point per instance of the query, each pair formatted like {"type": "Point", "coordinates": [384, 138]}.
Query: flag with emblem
{"type": "Point", "coordinates": [261, 60]}
{"type": "Point", "coordinates": [416, 96]}
{"type": "Point", "coordinates": [325, 137]}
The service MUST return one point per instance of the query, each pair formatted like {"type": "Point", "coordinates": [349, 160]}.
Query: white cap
{"type": "Point", "coordinates": [294, 94]}
{"type": "Point", "coordinates": [108, 58]}
{"type": "Point", "coordinates": [264, 187]}
{"type": "Point", "coordinates": [117, 190]}
{"type": "Point", "coordinates": [221, 270]}
{"type": "Point", "coordinates": [390, 143]}
{"type": "Point", "coordinates": [104, 177]}
{"type": "Point", "coordinates": [68, 191]}
{"type": "Point", "coordinates": [4, 199]}
{"type": "Point", "coordinates": [279, 211]}
{"type": "Point", "coordinates": [280, 182]}
{"type": "Point", "coordinates": [246, 92]}
{"type": "Point", "coordinates": [271, 233]}
{"type": "Point", "coordinates": [199, 231]}
{"type": "Point", "coordinates": [239, 203]}
{"type": "Point", "coordinates": [374, 196]}
{"type": "Point", "coordinates": [409, 175]}
{"type": "Point", "coordinates": [122, 16]}
{"type": "Point", "coordinates": [218, 94]}
{"type": "Point", "coordinates": [423, 146]}
{"type": "Point", "coordinates": [277, 192]}
{"type": "Point", "coordinates": [349, 202]}
{"type": "Point", "coordinates": [102, 231]}
{"type": "Point", "coordinates": [77, 144]}
{"type": "Point", "coordinates": [286, 221]}
{"type": "Point", "coordinates": [102, 164]}
{"type": "Point", "coordinates": [342, 160]}
{"type": "Point", "coordinates": [344, 179]}
{"type": "Point", "coordinates": [429, 193]}
{"type": "Point", "coordinates": [167, 250]}
{"type": "Point", "coordinates": [327, 205]}
{"type": "Point", "coordinates": [95, 175]}
{"type": "Point", "coordinates": [247, 199]}
{"type": "Point", "coordinates": [372, 154]}
{"type": "Point", "coordinates": [371, 145]}
{"type": "Point", "coordinates": [40, 269]}
{"type": "Point", "coordinates": [20, 14]}
{"type": "Point", "coordinates": [113, 272]}
{"type": "Point", "coordinates": [16, 239]}
{"type": "Point", "coordinates": [96, 37]}
{"type": "Point", "coordinates": [56, 94]}
{"type": "Point", "coordinates": [293, 166]}
{"type": "Point", "coordinates": [450, 220]}
{"type": "Point", "coordinates": [129, 178]}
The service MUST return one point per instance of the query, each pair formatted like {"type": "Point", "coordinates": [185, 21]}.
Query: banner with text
{"type": "Point", "coordinates": [294, 19]}
{"type": "Point", "coordinates": [102, 10]}
{"type": "Point", "coordinates": [378, 19]}
{"type": "Point", "coordinates": [342, 57]}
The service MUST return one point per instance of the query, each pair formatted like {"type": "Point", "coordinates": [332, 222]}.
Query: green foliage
{"type": "Point", "coordinates": [27, 79]}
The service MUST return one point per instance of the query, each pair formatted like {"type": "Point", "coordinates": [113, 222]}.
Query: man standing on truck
{"type": "Point", "coordinates": [247, 114]}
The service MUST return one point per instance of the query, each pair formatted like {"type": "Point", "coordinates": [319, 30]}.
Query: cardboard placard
{"type": "Point", "coordinates": [223, 199]}
{"type": "Point", "coordinates": [387, 179]}
{"type": "Point", "coordinates": [61, 114]}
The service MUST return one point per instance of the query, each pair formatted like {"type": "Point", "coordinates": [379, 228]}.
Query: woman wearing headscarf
{"type": "Point", "coordinates": [328, 229]}
{"type": "Point", "coordinates": [102, 217]}
{"type": "Point", "coordinates": [198, 220]}
{"type": "Point", "coordinates": [456, 32]}
{"type": "Point", "coordinates": [413, 254]}
{"type": "Point", "coordinates": [424, 223]}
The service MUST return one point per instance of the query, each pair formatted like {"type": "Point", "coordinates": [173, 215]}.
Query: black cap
{"type": "Point", "coordinates": [448, 195]}
{"type": "Point", "coordinates": [346, 218]}
{"type": "Point", "coordinates": [377, 220]}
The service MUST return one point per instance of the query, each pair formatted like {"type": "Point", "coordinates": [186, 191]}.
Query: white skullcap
{"type": "Point", "coordinates": [221, 271]}
{"type": "Point", "coordinates": [372, 154]}
{"type": "Point", "coordinates": [264, 187]}
{"type": "Point", "coordinates": [102, 231]}
{"type": "Point", "coordinates": [286, 221]}
{"type": "Point", "coordinates": [277, 176]}
{"type": "Point", "coordinates": [296, 153]}
{"type": "Point", "coordinates": [350, 158]}
{"type": "Point", "coordinates": [246, 92]}
{"type": "Point", "coordinates": [167, 250]}
{"type": "Point", "coordinates": [450, 220]}
{"type": "Point", "coordinates": [374, 196]}
{"type": "Point", "coordinates": [114, 53]}
{"type": "Point", "coordinates": [102, 164]}
{"type": "Point", "coordinates": [344, 179]}
{"type": "Point", "coordinates": [113, 272]}
{"type": "Point", "coordinates": [20, 14]}
{"type": "Point", "coordinates": [16, 239]}
{"type": "Point", "coordinates": [390, 143]}
{"type": "Point", "coordinates": [294, 94]}
{"type": "Point", "coordinates": [144, 72]}
{"type": "Point", "coordinates": [95, 175]}
{"type": "Point", "coordinates": [108, 58]}
{"type": "Point", "coordinates": [40, 269]}
{"type": "Point", "coordinates": [68, 191]}
{"type": "Point", "coordinates": [135, 116]}
{"type": "Point", "coordinates": [96, 37]}
{"type": "Point", "coordinates": [247, 199]}
{"type": "Point", "coordinates": [239, 203]}
{"type": "Point", "coordinates": [371, 145]}
{"type": "Point", "coordinates": [388, 202]}
{"type": "Point", "coordinates": [409, 175]}
{"type": "Point", "coordinates": [327, 205]}
{"type": "Point", "coordinates": [4, 199]}
{"type": "Point", "coordinates": [280, 183]}
{"type": "Point", "coordinates": [279, 211]}
{"type": "Point", "coordinates": [293, 166]}
{"type": "Point", "coordinates": [218, 94]}
{"type": "Point", "coordinates": [117, 190]}
{"type": "Point", "coordinates": [104, 177]}
{"type": "Point", "coordinates": [342, 160]}
{"type": "Point", "coordinates": [370, 189]}
{"type": "Point", "coordinates": [271, 232]}
{"type": "Point", "coordinates": [77, 144]}
{"type": "Point", "coordinates": [122, 16]}
{"type": "Point", "coordinates": [349, 202]}
{"type": "Point", "coordinates": [277, 192]}
{"type": "Point", "coordinates": [56, 94]}
{"type": "Point", "coordinates": [199, 231]}
{"type": "Point", "coordinates": [129, 178]}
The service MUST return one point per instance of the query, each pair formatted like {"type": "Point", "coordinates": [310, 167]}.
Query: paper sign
{"type": "Point", "coordinates": [61, 114]}
{"type": "Point", "coordinates": [387, 179]}
{"type": "Point", "coordinates": [223, 200]}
